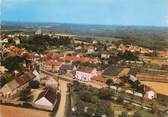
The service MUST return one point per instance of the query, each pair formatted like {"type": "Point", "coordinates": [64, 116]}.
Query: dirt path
{"type": "Point", "coordinates": [61, 109]}
{"type": "Point", "coordinates": [11, 111]}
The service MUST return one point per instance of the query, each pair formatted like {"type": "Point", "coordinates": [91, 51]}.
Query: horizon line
{"type": "Point", "coordinates": [45, 22]}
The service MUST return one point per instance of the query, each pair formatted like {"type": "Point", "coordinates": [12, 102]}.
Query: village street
{"type": "Point", "coordinates": [61, 109]}
{"type": "Point", "coordinates": [63, 81]}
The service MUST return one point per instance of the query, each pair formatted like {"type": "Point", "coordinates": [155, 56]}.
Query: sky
{"type": "Point", "coordinates": [104, 12]}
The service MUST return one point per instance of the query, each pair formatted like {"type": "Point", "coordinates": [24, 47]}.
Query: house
{"type": "Point", "coordinates": [79, 59]}
{"type": "Point", "coordinates": [149, 93]}
{"type": "Point", "coordinates": [162, 53]}
{"type": "Point", "coordinates": [115, 72]}
{"type": "Point", "coordinates": [85, 73]}
{"type": "Point", "coordinates": [17, 84]}
{"type": "Point", "coordinates": [78, 48]}
{"type": "Point", "coordinates": [71, 59]}
{"type": "Point", "coordinates": [133, 72]}
{"type": "Point", "coordinates": [55, 56]}
{"type": "Point", "coordinates": [94, 42]}
{"type": "Point", "coordinates": [99, 79]}
{"type": "Point", "coordinates": [105, 55]}
{"type": "Point", "coordinates": [51, 83]}
{"type": "Point", "coordinates": [132, 78]}
{"type": "Point", "coordinates": [52, 66]}
{"type": "Point", "coordinates": [17, 41]}
{"type": "Point", "coordinates": [3, 69]}
{"type": "Point", "coordinates": [36, 73]}
{"type": "Point", "coordinates": [91, 49]}
{"type": "Point", "coordinates": [46, 100]}
{"type": "Point", "coordinates": [66, 69]}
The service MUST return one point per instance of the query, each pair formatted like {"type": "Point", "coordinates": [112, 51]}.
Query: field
{"type": "Point", "coordinates": [159, 87]}
{"type": "Point", "coordinates": [10, 111]}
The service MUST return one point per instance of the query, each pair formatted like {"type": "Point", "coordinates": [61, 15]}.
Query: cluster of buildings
{"type": "Point", "coordinates": [75, 68]}
{"type": "Point", "coordinates": [78, 66]}
{"type": "Point", "coordinates": [45, 97]}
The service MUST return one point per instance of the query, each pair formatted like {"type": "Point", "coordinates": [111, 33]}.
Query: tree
{"type": "Point", "coordinates": [14, 63]}
{"type": "Point", "coordinates": [34, 84]}
{"type": "Point", "coordinates": [143, 113]}
{"type": "Point", "coordinates": [105, 94]}
{"type": "Point", "coordinates": [85, 96]}
{"type": "Point", "coordinates": [123, 114]}
{"type": "Point", "coordinates": [3, 81]}
{"type": "Point", "coordinates": [135, 84]}
{"type": "Point", "coordinates": [104, 108]}
{"type": "Point", "coordinates": [120, 99]}
{"type": "Point", "coordinates": [127, 55]}
{"type": "Point", "coordinates": [140, 89]}
{"type": "Point", "coordinates": [109, 82]}
{"type": "Point", "coordinates": [25, 94]}
{"type": "Point", "coordinates": [154, 107]}
{"type": "Point", "coordinates": [95, 99]}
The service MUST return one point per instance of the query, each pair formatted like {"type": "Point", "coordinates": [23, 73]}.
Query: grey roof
{"type": "Point", "coordinates": [24, 78]}
{"type": "Point", "coordinates": [20, 80]}
{"type": "Point", "coordinates": [112, 71]}
{"type": "Point", "coordinates": [49, 94]}
{"type": "Point", "coordinates": [66, 67]}
{"type": "Point", "coordinates": [13, 84]}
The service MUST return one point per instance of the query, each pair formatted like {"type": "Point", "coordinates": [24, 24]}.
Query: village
{"type": "Point", "coordinates": [66, 76]}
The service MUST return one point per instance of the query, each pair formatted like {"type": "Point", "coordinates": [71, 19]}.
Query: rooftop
{"type": "Point", "coordinates": [49, 94]}
{"type": "Point", "coordinates": [112, 71]}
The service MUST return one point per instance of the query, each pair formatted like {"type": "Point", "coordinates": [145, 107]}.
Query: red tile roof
{"type": "Point", "coordinates": [162, 53]}
{"type": "Point", "coordinates": [147, 88]}
{"type": "Point", "coordinates": [87, 59]}
{"type": "Point", "coordinates": [71, 58]}
{"type": "Point", "coordinates": [55, 55]}
{"type": "Point", "coordinates": [16, 50]}
{"type": "Point", "coordinates": [53, 63]}
{"type": "Point", "coordinates": [99, 78]}
{"type": "Point", "coordinates": [29, 55]}
{"type": "Point", "coordinates": [81, 59]}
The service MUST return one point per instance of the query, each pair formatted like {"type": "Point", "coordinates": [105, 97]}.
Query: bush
{"type": "Point", "coordinates": [85, 96]}
{"type": "Point", "coordinates": [143, 113]}
{"type": "Point", "coordinates": [120, 99]}
{"type": "Point", "coordinates": [34, 84]}
{"type": "Point", "coordinates": [25, 94]}
{"type": "Point", "coordinates": [95, 99]}
{"type": "Point", "coordinates": [105, 94]}
{"type": "Point", "coordinates": [14, 63]}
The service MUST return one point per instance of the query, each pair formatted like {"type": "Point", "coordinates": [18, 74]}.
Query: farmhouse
{"type": "Point", "coordinates": [17, 84]}
{"type": "Point", "coordinates": [149, 93]}
{"type": "Point", "coordinates": [52, 66]}
{"type": "Point", "coordinates": [85, 73]}
{"type": "Point", "coordinates": [114, 72]}
{"type": "Point", "coordinates": [66, 68]}
{"type": "Point", "coordinates": [46, 100]}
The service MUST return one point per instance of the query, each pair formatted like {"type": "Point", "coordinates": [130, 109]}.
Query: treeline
{"type": "Point", "coordinates": [39, 43]}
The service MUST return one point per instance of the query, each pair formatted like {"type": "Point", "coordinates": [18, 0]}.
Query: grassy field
{"type": "Point", "coordinates": [159, 87]}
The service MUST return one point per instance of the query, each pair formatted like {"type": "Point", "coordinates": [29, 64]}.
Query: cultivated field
{"type": "Point", "coordinates": [10, 111]}
{"type": "Point", "coordinates": [159, 87]}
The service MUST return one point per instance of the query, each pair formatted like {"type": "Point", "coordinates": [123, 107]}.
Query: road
{"type": "Point", "coordinates": [63, 91]}
{"type": "Point", "coordinates": [61, 109]}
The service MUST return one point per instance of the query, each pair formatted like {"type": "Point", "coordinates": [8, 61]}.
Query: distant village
{"type": "Point", "coordinates": [34, 79]}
